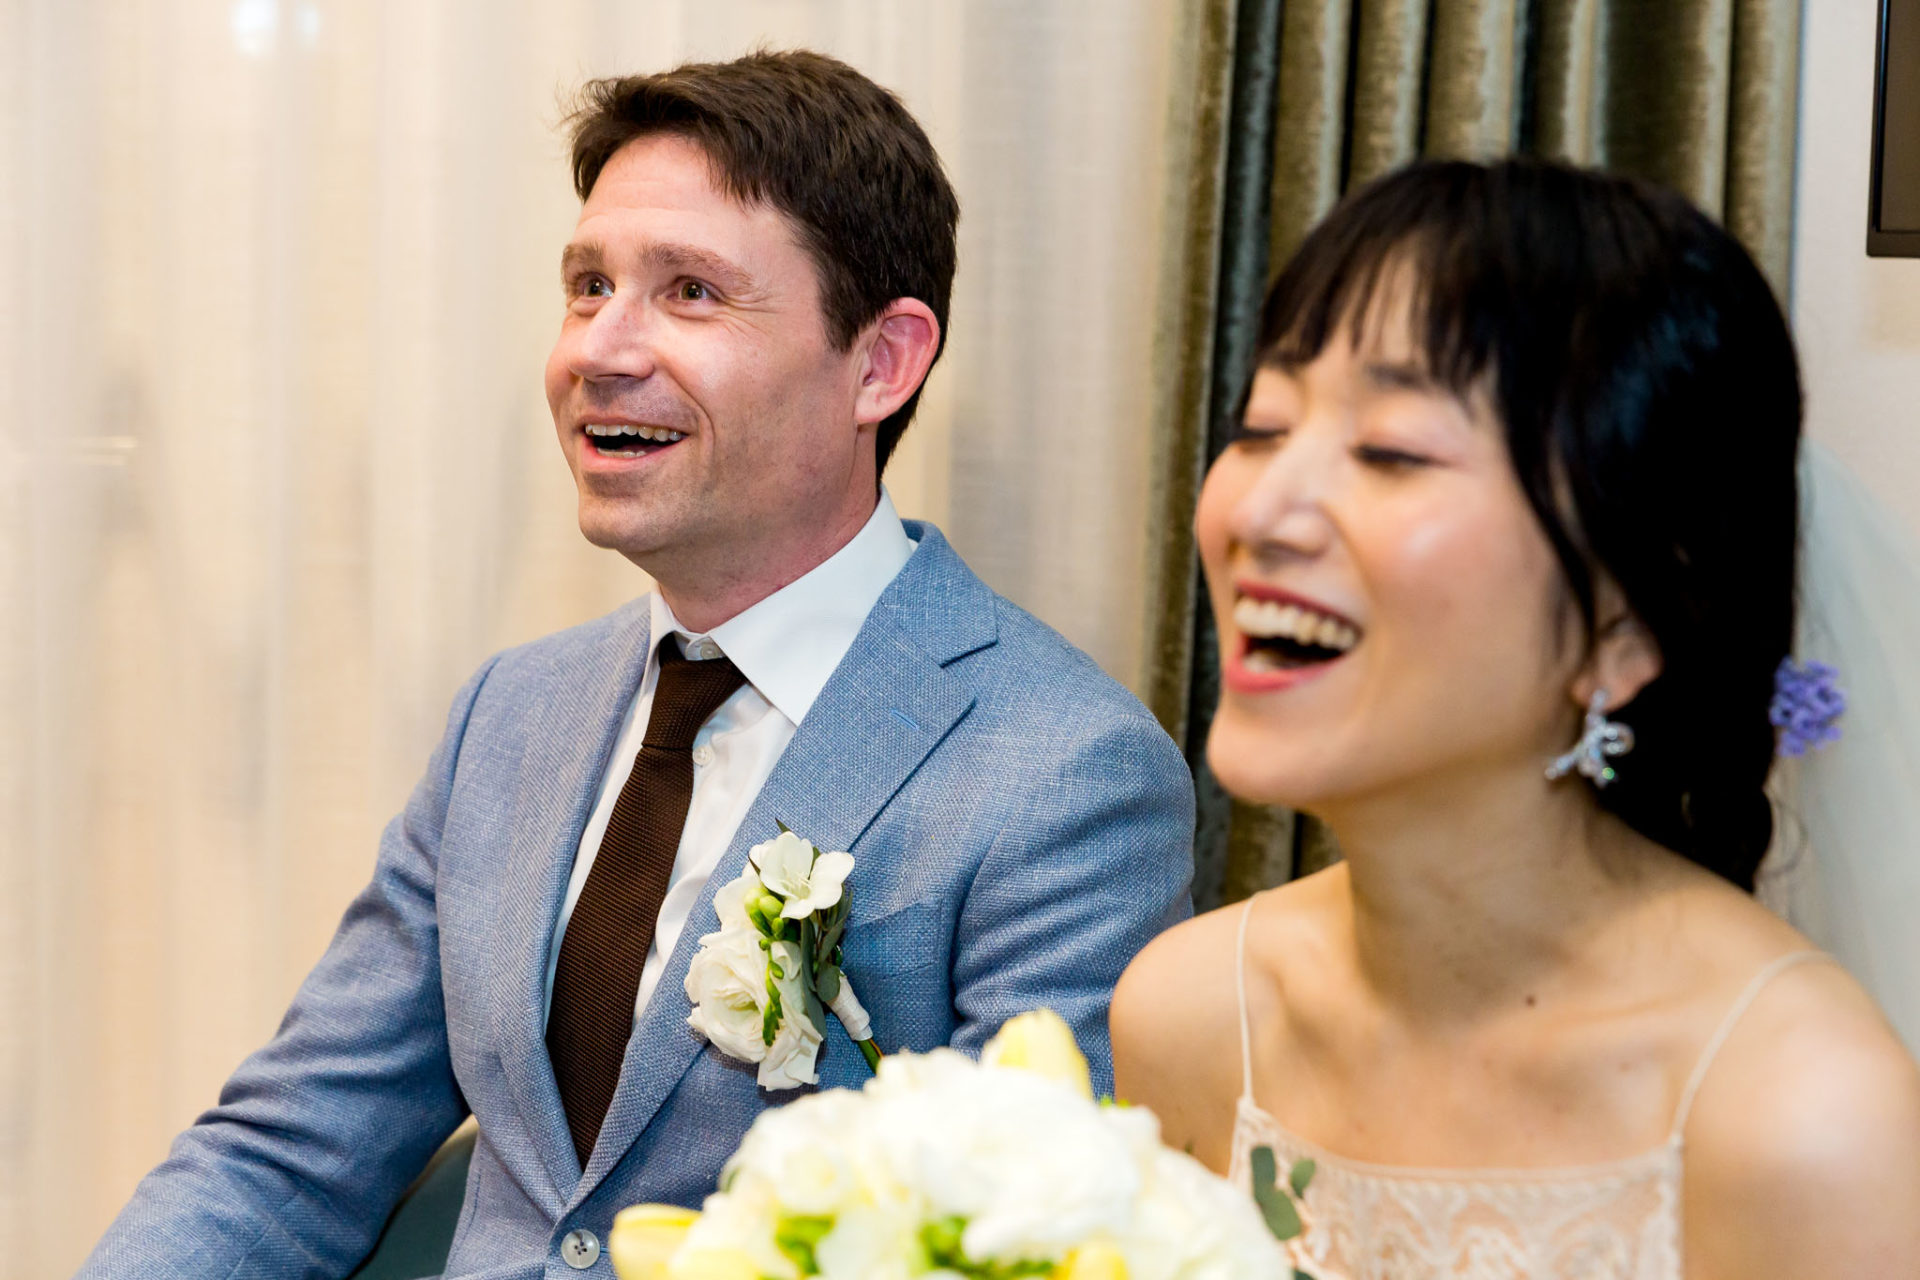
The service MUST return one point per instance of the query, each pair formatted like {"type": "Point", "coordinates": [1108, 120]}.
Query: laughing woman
{"type": "Point", "coordinates": [1517, 474]}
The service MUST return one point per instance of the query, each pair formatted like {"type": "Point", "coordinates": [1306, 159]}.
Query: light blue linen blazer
{"type": "Point", "coordinates": [1022, 828]}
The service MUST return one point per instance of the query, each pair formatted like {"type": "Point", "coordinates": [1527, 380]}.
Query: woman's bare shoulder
{"type": "Point", "coordinates": [1177, 997]}
{"type": "Point", "coordinates": [1186, 980]}
{"type": "Point", "coordinates": [1176, 1019]}
{"type": "Point", "coordinates": [1803, 1148]}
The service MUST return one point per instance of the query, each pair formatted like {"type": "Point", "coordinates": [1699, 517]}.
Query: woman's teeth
{"type": "Point", "coordinates": [1290, 635]}
{"type": "Point", "coordinates": [618, 440]}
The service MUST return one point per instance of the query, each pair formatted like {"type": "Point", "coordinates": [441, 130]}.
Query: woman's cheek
{"type": "Point", "coordinates": [1225, 484]}
{"type": "Point", "coordinates": [1469, 574]}
{"type": "Point", "coordinates": [1217, 496]}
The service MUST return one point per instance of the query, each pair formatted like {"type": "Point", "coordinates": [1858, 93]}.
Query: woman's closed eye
{"type": "Point", "coordinates": [1388, 458]}
{"type": "Point", "coordinates": [1257, 434]}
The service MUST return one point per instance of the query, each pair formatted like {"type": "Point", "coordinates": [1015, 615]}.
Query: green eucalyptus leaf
{"type": "Point", "coordinates": [1276, 1206]}
{"type": "Point", "coordinates": [1300, 1175]}
{"type": "Point", "coordinates": [1282, 1218]}
{"type": "Point", "coordinates": [785, 830]}
{"type": "Point", "coordinates": [826, 980]}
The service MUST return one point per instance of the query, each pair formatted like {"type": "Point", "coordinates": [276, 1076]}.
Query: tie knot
{"type": "Point", "coordinates": [687, 694]}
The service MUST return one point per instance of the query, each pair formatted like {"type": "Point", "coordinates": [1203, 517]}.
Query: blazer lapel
{"type": "Point", "coordinates": [886, 706]}
{"type": "Point", "coordinates": [568, 740]}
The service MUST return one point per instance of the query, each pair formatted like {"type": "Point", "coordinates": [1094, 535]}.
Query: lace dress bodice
{"type": "Point", "coordinates": [1614, 1221]}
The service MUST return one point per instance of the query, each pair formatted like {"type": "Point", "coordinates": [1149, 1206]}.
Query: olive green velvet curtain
{"type": "Point", "coordinates": [1286, 104]}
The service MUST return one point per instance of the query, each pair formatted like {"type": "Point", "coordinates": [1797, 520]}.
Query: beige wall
{"type": "Point", "coordinates": [1857, 318]}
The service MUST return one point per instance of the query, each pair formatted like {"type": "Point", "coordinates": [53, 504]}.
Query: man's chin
{"type": "Point", "coordinates": [638, 541]}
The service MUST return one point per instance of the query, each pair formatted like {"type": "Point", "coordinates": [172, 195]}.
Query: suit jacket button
{"type": "Point", "coordinates": [580, 1249]}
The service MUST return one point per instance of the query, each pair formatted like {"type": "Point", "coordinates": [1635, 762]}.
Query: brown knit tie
{"type": "Point", "coordinates": [605, 945]}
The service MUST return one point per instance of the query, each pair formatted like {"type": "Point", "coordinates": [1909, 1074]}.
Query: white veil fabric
{"type": "Point", "coordinates": [1845, 868]}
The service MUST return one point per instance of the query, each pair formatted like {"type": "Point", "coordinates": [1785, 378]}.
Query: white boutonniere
{"type": "Point", "coordinates": [759, 982]}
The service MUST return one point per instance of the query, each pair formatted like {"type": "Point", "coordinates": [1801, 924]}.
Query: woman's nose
{"type": "Point", "coordinates": [1284, 511]}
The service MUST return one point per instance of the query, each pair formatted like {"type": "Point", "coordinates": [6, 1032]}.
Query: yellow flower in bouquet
{"type": "Point", "coordinates": [994, 1170]}
{"type": "Point", "coordinates": [1041, 1042]}
{"type": "Point", "coordinates": [1094, 1262]}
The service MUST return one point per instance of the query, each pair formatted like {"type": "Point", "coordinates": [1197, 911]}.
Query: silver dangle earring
{"type": "Point", "coordinates": [1603, 740]}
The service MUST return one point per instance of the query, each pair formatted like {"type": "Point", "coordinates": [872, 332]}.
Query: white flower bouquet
{"type": "Point", "coordinates": [942, 1166]}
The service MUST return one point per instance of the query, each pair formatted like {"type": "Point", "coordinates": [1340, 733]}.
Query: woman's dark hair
{"type": "Point", "coordinates": [1650, 396]}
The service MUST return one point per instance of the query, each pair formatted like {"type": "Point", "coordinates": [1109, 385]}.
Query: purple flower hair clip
{"type": "Point", "coordinates": [1807, 704]}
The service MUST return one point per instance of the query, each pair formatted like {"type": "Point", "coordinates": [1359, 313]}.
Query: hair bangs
{"type": "Point", "coordinates": [1387, 261]}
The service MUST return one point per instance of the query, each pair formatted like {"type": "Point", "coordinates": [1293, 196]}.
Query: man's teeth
{"type": "Point", "coordinates": [621, 440]}
{"type": "Point", "coordinates": [1271, 620]}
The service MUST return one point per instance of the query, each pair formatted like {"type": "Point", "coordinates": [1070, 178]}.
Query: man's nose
{"type": "Point", "coordinates": [617, 341]}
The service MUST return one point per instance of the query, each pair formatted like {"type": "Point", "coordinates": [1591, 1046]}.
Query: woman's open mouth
{"type": "Point", "coordinates": [1290, 635]}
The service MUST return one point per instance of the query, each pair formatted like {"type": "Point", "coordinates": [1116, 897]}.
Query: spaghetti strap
{"type": "Point", "coordinates": [1773, 969]}
{"type": "Point", "coordinates": [1240, 987]}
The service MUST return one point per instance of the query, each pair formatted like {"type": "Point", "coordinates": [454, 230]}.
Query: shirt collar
{"type": "Point", "coordinates": [788, 644]}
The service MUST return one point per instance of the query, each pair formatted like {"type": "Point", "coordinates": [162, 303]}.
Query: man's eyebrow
{"type": "Point", "coordinates": [579, 256]}
{"type": "Point", "coordinates": [689, 259]}
{"type": "Point", "coordinates": [664, 255]}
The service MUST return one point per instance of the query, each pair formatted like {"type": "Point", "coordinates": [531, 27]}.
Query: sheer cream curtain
{"type": "Point", "coordinates": [275, 469]}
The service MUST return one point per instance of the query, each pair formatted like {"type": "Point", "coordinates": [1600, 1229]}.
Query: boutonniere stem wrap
{"type": "Point", "coordinates": [759, 983]}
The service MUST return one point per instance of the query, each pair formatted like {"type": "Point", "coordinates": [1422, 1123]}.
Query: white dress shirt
{"type": "Point", "coordinates": [786, 646]}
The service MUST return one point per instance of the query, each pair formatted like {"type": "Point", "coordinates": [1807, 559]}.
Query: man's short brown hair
{"type": "Point", "coordinates": [829, 148]}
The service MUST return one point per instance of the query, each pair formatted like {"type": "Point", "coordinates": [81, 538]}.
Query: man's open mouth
{"type": "Point", "coordinates": [622, 440]}
{"type": "Point", "coordinates": [1286, 636]}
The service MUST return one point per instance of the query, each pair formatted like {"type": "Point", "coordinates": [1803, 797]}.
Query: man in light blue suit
{"type": "Point", "coordinates": [755, 291]}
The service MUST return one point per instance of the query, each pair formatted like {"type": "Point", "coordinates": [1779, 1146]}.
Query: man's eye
{"type": "Point", "coordinates": [591, 287]}
{"type": "Point", "coordinates": [693, 291]}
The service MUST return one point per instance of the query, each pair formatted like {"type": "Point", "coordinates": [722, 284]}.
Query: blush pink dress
{"type": "Point", "coordinates": [1619, 1220]}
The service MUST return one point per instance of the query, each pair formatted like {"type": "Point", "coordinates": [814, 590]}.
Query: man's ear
{"type": "Point", "coordinates": [1625, 657]}
{"type": "Point", "coordinates": [897, 350]}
